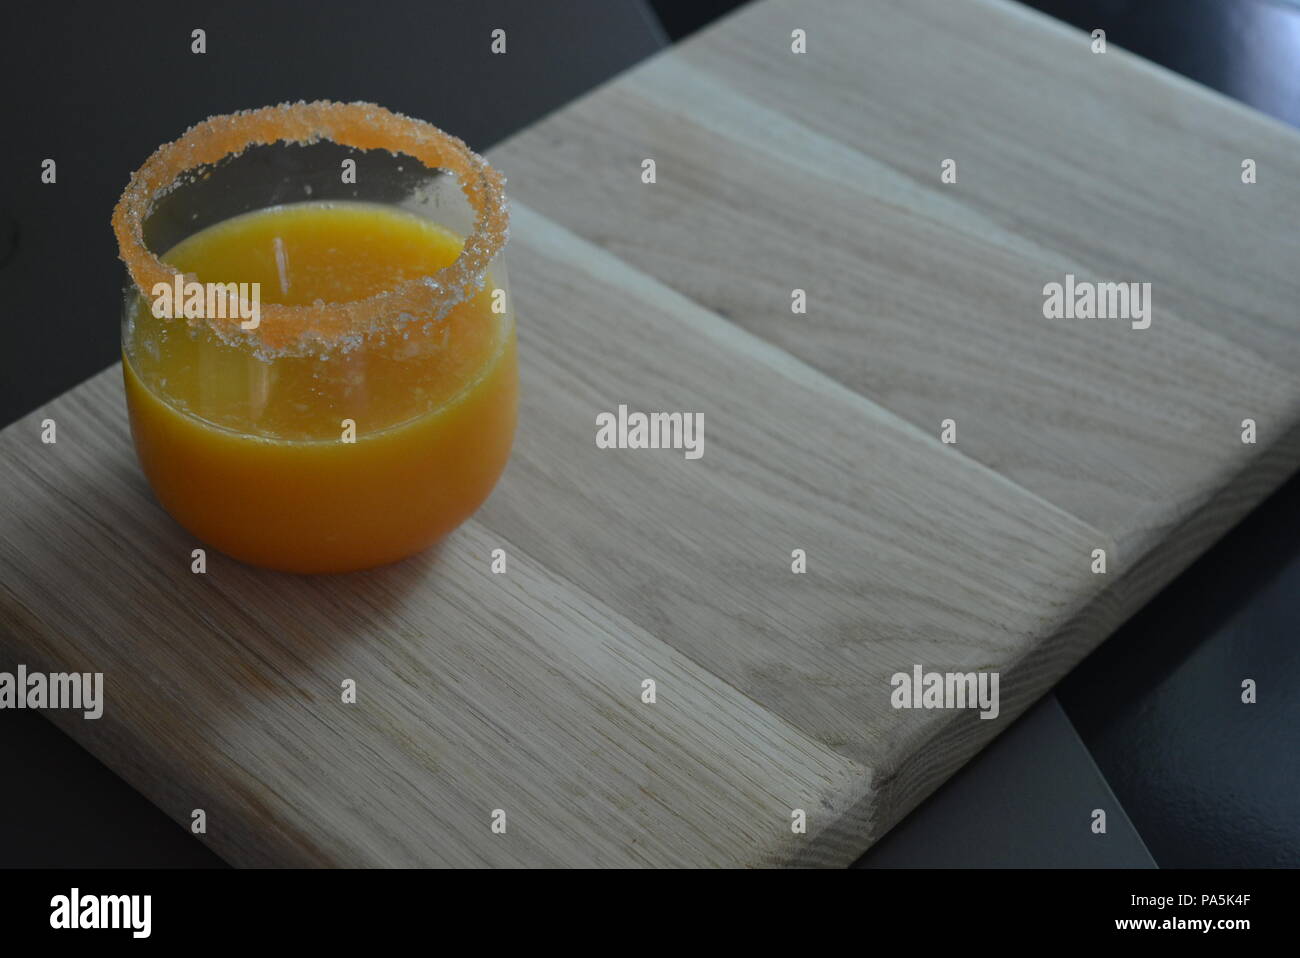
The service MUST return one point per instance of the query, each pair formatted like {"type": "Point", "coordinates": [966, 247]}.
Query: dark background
{"type": "Point", "coordinates": [98, 86]}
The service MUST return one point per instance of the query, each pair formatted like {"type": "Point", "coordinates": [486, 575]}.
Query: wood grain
{"type": "Point", "coordinates": [475, 691]}
{"type": "Point", "coordinates": [523, 691]}
{"type": "Point", "coordinates": [1110, 159]}
{"type": "Point", "coordinates": [917, 299]}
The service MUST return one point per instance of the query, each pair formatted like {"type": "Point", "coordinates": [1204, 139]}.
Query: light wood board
{"type": "Point", "coordinates": [523, 691]}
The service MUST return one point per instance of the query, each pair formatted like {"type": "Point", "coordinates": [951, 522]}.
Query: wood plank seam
{"type": "Point", "coordinates": [719, 329]}
{"type": "Point", "coordinates": [854, 779]}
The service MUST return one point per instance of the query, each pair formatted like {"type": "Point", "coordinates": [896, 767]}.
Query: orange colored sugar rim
{"type": "Point", "coordinates": [362, 126]}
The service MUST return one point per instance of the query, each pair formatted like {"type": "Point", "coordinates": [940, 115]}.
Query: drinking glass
{"type": "Point", "coordinates": [360, 402]}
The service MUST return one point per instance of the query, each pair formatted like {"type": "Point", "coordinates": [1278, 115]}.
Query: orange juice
{"type": "Point", "coordinates": [252, 453]}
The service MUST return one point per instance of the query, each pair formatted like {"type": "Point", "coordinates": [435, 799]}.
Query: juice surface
{"type": "Point", "coordinates": [248, 453]}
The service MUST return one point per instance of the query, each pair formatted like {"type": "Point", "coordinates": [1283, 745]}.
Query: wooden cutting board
{"type": "Point", "coordinates": [522, 691]}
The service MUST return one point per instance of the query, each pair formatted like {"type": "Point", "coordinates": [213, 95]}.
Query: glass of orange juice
{"type": "Point", "coordinates": [318, 341]}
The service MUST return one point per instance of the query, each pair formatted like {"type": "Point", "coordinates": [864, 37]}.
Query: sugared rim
{"type": "Point", "coordinates": [362, 126]}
